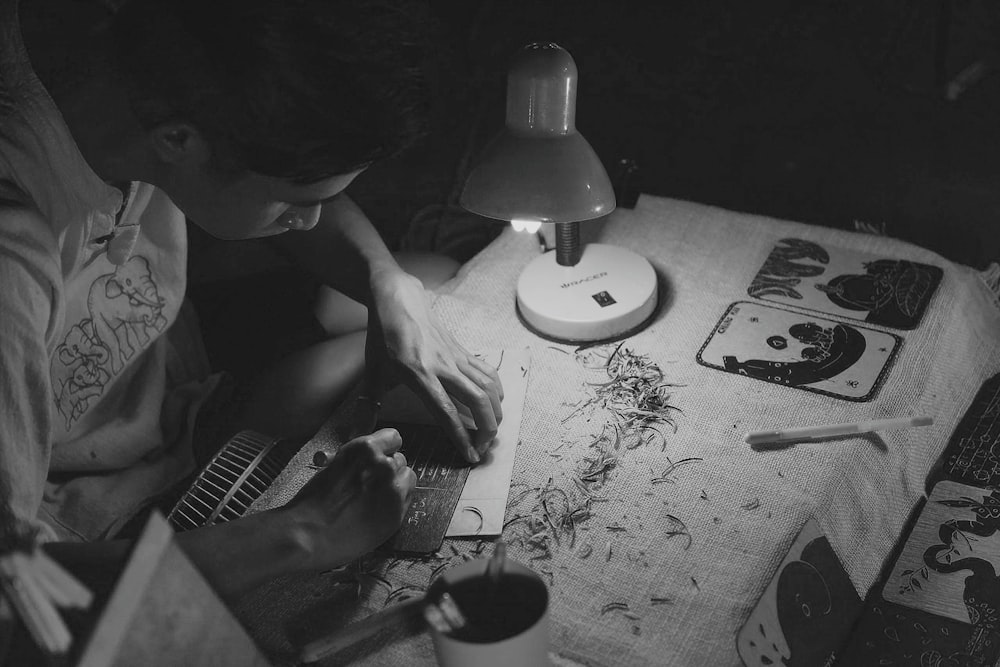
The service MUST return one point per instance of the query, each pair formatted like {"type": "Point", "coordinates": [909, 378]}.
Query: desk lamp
{"type": "Point", "coordinates": [541, 170]}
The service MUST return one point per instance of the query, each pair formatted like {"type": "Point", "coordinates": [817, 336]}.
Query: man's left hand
{"type": "Point", "coordinates": [403, 329]}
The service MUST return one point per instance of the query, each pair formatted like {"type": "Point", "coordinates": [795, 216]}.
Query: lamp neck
{"type": "Point", "coordinates": [568, 250]}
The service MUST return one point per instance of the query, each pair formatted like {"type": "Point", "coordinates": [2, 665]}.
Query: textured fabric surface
{"type": "Point", "coordinates": [742, 507]}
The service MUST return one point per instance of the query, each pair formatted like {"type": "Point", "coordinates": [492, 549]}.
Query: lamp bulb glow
{"type": "Point", "coordinates": [529, 226]}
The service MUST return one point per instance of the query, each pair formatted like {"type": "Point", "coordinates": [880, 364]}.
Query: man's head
{"type": "Point", "coordinates": [296, 95]}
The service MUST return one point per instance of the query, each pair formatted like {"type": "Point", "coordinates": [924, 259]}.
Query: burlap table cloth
{"type": "Point", "coordinates": [742, 507]}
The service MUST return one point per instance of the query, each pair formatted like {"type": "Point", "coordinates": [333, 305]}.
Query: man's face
{"type": "Point", "coordinates": [253, 205]}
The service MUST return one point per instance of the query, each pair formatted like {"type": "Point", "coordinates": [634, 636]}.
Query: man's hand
{"type": "Point", "coordinates": [404, 335]}
{"type": "Point", "coordinates": [403, 328]}
{"type": "Point", "coordinates": [356, 502]}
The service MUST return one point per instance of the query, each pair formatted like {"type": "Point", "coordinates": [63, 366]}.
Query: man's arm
{"type": "Point", "coordinates": [347, 253]}
{"type": "Point", "coordinates": [233, 557]}
{"type": "Point", "coordinates": [345, 511]}
{"type": "Point", "coordinates": [344, 250]}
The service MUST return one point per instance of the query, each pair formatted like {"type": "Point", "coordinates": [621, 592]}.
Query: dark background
{"type": "Point", "coordinates": [830, 112]}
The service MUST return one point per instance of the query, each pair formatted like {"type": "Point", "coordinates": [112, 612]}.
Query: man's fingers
{"type": "Point", "coordinates": [387, 440]}
{"type": "Point", "coordinates": [407, 481]}
{"type": "Point", "coordinates": [478, 401]}
{"type": "Point", "coordinates": [361, 450]}
{"type": "Point", "coordinates": [486, 377]}
{"type": "Point", "coordinates": [441, 407]}
{"type": "Point", "coordinates": [489, 371]}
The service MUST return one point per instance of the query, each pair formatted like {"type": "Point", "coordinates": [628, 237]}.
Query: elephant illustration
{"type": "Point", "coordinates": [79, 371]}
{"type": "Point", "coordinates": [124, 306]}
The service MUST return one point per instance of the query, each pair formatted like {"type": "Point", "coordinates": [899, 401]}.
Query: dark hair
{"type": "Point", "coordinates": [298, 89]}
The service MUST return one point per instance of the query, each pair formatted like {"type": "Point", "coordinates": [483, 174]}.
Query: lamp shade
{"type": "Point", "coordinates": [539, 167]}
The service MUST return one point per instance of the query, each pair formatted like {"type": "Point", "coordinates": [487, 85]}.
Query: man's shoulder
{"type": "Point", "coordinates": [14, 198]}
{"type": "Point", "coordinates": [22, 224]}
{"type": "Point", "coordinates": [17, 205]}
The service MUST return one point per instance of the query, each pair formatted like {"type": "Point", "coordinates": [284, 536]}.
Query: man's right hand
{"type": "Point", "coordinates": [357, 502]}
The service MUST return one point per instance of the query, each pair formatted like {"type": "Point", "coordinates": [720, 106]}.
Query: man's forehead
{"type": "Point", "coordinates": [311, 194]}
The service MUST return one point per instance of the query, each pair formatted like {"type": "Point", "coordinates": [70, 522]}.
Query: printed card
{"type": "Point", "coordinates": [798, 350]}
{"type": "Point", "coordinates": [807, 611]}
{"type": "Point", "coordinates": [973, 452]}
{"type": "Point", "coordinates": [846, 283]}
{"type": "Point", "coordinates": [950, 561]}
{"type": "Point", "coordinates": [889, 634]}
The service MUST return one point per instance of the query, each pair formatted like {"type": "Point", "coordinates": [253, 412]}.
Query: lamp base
{"type": "Point", "coordinates": [608, 293]}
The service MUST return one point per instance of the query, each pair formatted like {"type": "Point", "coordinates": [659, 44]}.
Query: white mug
{"type": "Point", "coordinates": [518, 587]}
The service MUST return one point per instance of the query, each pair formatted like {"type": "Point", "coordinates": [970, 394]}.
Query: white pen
{"type": "Point", "coordinates": [832, 430]}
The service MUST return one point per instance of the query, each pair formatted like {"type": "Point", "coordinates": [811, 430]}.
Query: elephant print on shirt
{"type": "Point", "coordinates": [78, 371]}
{"type": "Point", "coordinates": [126, 312]}
{"type": "Point", "coordinates": [124, 305]}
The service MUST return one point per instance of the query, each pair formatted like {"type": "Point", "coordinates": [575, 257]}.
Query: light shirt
{"type": "Point", "coordinates": [101, 370]}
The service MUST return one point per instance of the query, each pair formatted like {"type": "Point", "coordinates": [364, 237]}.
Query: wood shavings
{"type": "Point", "coordinates": [665, 476]}
{"type": "Point", "coordinates": [752, 505]}
{"type": "Point", "coordinates": [404, 593]}
{"type": "Point", "coordinates": [660, 600]}
{"type": "Point", "coordinates": [622, 607]}
{"type": "Point", "coordinates": [368, 577]}
{"type": "Point", "coordinates": [596, 469]}
{"type": "Point", "coordinates": [479, 514]}
{"type": "Point", "coordinates": [614, 606]}
{"type": "Point", "coordinates": [677, 528]}
{"type": "Point", "coordinates": [436, 572]}
{"type": "Point", "coordinates": [636, 394]}
{"type": "Point", "coordinates": [551, 518]}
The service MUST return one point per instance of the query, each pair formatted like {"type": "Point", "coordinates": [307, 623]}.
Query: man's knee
{"type": "Point", "coordinates": [433, 270]}
{"type": "Point", "coordinates": [338, 314]}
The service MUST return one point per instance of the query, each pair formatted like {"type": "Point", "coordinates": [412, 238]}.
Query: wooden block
{"type": "Point", "coordinates": [441, 475]}
{"type": "Point", "coordinates": [163, 612]}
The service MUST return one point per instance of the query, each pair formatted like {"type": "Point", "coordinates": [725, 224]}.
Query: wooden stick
{"type": "Point", "coordinates": [453, 616]}
{"type": "Point", "coordinates": [495, 565]}
{"type": "Point", "coordinates": [35, 609]}
{"type": "Point", "coordinates": [61, 587]}
{"type": "Point", "coordinates": [833, 430]}
{"type": "Point", "coordinates": [361, 630]}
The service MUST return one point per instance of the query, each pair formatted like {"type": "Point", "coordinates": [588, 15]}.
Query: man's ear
{"type": "Point", "coordinates": [180, 144]}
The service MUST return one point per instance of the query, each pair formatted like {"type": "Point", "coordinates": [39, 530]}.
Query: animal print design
{"type": "Point", "coordinates": [126, 314]}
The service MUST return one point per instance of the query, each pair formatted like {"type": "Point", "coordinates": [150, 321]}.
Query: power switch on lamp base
{"type": "Point", "coordinates": [608, 293]}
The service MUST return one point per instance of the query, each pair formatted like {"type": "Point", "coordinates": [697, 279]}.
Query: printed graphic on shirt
{"type": "Point", "coordinates": [126, 314]}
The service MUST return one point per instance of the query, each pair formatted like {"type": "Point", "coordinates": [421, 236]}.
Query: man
{"type": "Point", "coordinates": [250, 117]}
